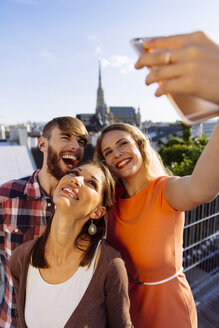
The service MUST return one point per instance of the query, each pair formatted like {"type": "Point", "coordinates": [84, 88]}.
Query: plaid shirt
{"type": "Point", "coordinates": [24, 212]}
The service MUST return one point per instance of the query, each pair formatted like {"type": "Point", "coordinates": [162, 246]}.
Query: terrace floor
{"type": "Point", "coordinates": [208, 309]}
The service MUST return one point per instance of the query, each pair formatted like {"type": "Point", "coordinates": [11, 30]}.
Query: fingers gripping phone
{"type": "Point", "coordinates": [192, 110]}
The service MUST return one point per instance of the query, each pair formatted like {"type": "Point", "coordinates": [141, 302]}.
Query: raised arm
{"type": "Point", "coordinates": [192, 68]}
{"type": "Point", "coordinates": [203, 185]}
{"type": "Point", "coordinates": [188, 64]}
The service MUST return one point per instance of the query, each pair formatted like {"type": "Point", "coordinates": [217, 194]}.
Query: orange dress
{"type": "Point", "coordinates": [148, 232]}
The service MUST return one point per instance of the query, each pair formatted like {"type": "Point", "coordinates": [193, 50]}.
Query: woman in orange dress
{"type": "Point", "coordinates": [147, 219]}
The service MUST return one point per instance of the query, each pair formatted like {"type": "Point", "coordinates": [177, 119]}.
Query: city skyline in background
{"type": "Point", "coordinates": [49, 53]}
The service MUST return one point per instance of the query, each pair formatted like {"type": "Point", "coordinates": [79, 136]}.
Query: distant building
{"type": "Point", "coordinates": [163, 132]}
{"type": "Point", "coordinates": [18, 162]}
{"type": "Point", "coordinates": [18, 135]}
{"type": "Point", "coordinates": [126, 115]}
{"type": "Point", "coordinates": [204, 128]}
{"type": "Point", "coordinates": [91, 121]}
{"type": "Point", "coordinates": [105, 115]}
{"type": "Point", "coordinates": [160, 133]}
{"type": "Point", "coordinates": [19, 141]}
{"type": "Point", "coordinates": [2, 132]}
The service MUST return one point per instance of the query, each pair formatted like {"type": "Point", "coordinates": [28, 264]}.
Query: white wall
{"type": "Point", "coordinates": [2, 132]}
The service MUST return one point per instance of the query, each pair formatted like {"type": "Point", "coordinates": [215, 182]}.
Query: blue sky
{"type": "Point", "coordinates": [49, 52]}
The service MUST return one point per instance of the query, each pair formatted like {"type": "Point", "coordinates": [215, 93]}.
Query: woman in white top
{"type": "Point", "coordinates": [70, 277]}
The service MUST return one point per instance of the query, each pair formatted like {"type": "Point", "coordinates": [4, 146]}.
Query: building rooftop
{"type": "Point", "coordinates": [122, 111]}
{"type": "Point", "coordinates": [17, 163]}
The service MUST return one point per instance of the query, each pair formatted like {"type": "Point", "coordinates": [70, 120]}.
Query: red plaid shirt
{"type": "Point", "coordinates": [24, 212]}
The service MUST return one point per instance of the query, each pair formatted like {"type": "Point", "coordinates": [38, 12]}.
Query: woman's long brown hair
{"type": "Point", "coordinates": [38, 259]}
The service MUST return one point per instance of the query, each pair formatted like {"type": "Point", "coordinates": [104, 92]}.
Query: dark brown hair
{"type": "Point", "coordinates": [38, 251]}
{"type": "Point", "coordinates": [67, 124]}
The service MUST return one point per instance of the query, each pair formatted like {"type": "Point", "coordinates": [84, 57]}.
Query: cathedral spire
{"type": "Point", "coordinates": [100, 84]}
{"type": "Point", "coordinates": [100, 94]}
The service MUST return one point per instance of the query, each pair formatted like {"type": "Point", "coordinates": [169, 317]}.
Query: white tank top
{"type": "Point", "coordinates": [51, 305]}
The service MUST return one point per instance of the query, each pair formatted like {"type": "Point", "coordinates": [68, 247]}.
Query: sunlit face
{"type": "Point", "coordinates": [121, 153]}
{"type": "Point", "coordinates": [64, 152]}
{"type": "Point", "coordinates": [80, 192]}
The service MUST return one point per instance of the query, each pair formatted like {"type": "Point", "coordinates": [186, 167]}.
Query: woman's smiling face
{"type": "Point", "coordinates": [80, 192]}
{"type": "Point", "coordinates": [121, 153]}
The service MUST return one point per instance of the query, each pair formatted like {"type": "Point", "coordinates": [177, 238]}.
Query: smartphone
{"type": "Point", "coordinates": [192, 110]}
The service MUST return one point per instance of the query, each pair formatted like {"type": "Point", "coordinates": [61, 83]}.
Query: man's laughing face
{"type": "Point", "coordinates": [64, 152]}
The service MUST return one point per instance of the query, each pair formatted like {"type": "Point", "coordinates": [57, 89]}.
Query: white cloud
{"type": "Point", "coordinates": [48, 56]}
{"type": "Point", "coordinates": [124, 63]}
{"type": "Point", "coordinates": [105, 62]}
{"type": "Point", "coordinates": [27, 2]}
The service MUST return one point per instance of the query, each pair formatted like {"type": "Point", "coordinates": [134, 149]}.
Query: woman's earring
{"type": "Point", "coordinates": [92, 228]}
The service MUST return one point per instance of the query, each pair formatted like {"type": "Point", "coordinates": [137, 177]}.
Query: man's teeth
{"type": "Point", "coordinates": [69, 157]}
{"type": "Point", "coordinates": [123, 162]}
{"type": "Point", "coordinates": [71, 192]}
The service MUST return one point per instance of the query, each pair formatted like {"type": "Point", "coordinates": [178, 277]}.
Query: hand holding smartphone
{"type": "Point", "coordinates": [192, 110]}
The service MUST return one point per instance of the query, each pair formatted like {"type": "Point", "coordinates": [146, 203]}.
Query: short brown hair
{"type": "Point", "coordinates": [67, 124]}
{"type": "Point", "coordinates": [151, 159]}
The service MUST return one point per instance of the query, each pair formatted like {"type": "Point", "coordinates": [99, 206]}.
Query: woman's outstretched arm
{"type": "Point", "coordinates": [188, 64]}
{"type": "Point", "coordinates": [203, 185]}
{"type": "Point", "coordinates": [193, 67]}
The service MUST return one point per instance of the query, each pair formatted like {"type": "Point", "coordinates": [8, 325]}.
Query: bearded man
{"type": "Point", "coordinates": [26, 204]}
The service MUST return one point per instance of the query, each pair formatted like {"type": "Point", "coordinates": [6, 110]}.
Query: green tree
{"type": "Point", "coordinates": [187, 132]}
{"type": "Point", "coordinates": [174, 141]}
{"type": "Point", "coordinates": [180, 156]}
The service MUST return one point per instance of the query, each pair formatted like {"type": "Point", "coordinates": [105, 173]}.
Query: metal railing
{"type": "Point", "coordinates": [201, 247]}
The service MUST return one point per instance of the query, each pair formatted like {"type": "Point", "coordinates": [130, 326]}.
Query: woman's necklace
{"type": "Point", "coordinates": [127, 195]}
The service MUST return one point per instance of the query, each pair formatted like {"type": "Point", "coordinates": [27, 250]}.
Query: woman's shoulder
{"type": "Point", "coordinates": [109, 251]}
{"type": "Point", "coordinates": [23, 249]}
{"type": "Point", "coordinates": [161, 180]}
{"type": "Point", "coordinates": [20, 257]}
{"type": "Point", "coordinates": [112, 263]}
{"type": "Point", "coordinates": [158, 185]}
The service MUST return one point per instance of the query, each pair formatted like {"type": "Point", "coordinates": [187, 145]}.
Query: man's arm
{"type": "Point", "coordinates": [15, 273]}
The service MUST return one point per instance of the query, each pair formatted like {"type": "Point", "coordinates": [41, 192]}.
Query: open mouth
{"type": "Point", "coordinates": [123, 163]}
{"type": "Point", "coordinates": [69, 160]}
{"type": "Point", "coordinates": [71, 192]}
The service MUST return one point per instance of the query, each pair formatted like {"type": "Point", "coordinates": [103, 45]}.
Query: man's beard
{"type": "Point", "coordinates": [53, 164]}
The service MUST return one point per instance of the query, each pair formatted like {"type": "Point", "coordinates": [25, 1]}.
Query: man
{"type": "Point", "coordinates": [26, 204]}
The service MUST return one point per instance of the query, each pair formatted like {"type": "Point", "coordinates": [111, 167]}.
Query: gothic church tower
{"type": "Point", "coordinates": [100, 95]}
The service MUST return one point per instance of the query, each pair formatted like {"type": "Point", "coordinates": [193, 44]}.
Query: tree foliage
{"type": "Point", "coordinates": [187, 133]}
{"type": "Point", "coordinates": [181, 155]}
